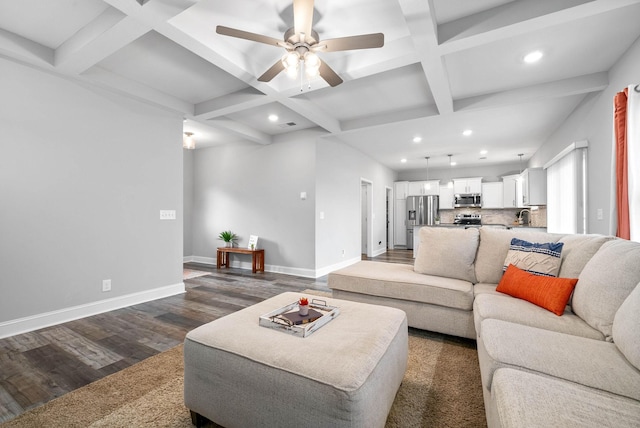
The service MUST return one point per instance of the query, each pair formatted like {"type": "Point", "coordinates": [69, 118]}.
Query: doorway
{"type": "Point", "coordinates": [366, 217]}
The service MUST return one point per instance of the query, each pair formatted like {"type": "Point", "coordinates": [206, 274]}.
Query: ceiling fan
{"type": "Point", "coordinates": [302, 42]}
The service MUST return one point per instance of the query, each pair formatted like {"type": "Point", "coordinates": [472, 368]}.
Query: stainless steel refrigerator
{"type": "Point", "coordinates": [421, 211]}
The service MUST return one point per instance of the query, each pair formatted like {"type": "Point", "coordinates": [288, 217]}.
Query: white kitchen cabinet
{"type": "Point", "coordinates": [446, 197]}
{"type": "Point", "coordinates": [401, 189]}
{"type": "Point", "coordinates": [420, 188]}
{"type": "Point", "coordinates": [400, 222]}
{"type": "Point", "coordinates": [492, 195]}
{"type": "Point", "coordinates": [510, 192]}
{"type": "Point", "coordinates": [467, 185]}
{"type": "Point", "coordinates": [534, 186]}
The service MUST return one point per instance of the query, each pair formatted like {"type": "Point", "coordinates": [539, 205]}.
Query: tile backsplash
{"type": "Point", "coordinates": [507, 216]}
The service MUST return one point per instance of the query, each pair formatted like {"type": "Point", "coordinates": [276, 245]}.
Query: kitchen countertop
{"type": "Point", "coordinates": [505, 226]}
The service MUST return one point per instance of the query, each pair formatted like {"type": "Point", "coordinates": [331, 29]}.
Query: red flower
{"type": "Point", "coordinates": [303, 301]}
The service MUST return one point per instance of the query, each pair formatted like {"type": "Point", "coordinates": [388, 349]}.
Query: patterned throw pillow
{"type": "Point", "coordinates": [538, 259]}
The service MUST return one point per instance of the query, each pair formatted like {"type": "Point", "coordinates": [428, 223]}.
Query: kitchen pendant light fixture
{"type": "Point", "coordinates": [427, 185]}
{"type": "Point", "coordinates": [520, 156]}
{"type": "Point", "coordinates": [188, 142]}
{"type": "Point", "coordinates": [450, 183]}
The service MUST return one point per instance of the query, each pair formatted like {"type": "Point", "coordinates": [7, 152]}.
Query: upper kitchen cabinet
{"type": "Point", "coordinates": [510, 191]}
{"type": "Point", "coordinates": [467, 185]}
{"type": "Point", "coordinates": [401, 189]}
{"type": "Point", "coordinates": [420, 188]}
{"type": "Point", "coordinates": [534, 186]}
{"type": "Point", "coordinates": [446, 198]}
{"type": "Point", "coordinates": [492, 195]}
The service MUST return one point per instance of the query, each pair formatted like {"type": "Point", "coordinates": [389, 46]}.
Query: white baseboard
{"type": "Point", "coordinates": [379, 251]}
{"type": "Point", "coordinates": [305, 273]}
{"type": "Point", "coordinates": [35, 322]}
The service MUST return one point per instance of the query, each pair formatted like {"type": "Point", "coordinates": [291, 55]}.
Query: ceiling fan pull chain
{"type": "Point", "coordinates": [301, 76]}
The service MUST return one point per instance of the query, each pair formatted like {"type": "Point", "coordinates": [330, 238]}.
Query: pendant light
{"type": "Point", "coordinates": [450, 183]}
{"type": "Point", "coordinates": [427, 185]}
{"type": "Point", "coordinates": [520, 156]}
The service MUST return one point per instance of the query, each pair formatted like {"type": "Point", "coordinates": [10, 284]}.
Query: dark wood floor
{"type": "Point", "coordinates": [41, 365]}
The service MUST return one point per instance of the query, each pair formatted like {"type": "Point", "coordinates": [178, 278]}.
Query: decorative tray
{"type": "Point", "coordinates": [276, 319]}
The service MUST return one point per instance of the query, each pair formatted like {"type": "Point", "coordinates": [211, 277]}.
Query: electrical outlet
{"type": "Point", "coordinates": [167, 214]}
{"type": "Point", "coordinates": [106, 285]}
{"type": "Point", "coordinates": [343, 252]}
{"type": "Point", "coordinates": [599, 214]}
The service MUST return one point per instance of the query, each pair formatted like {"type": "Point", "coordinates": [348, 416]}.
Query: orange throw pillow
{"type": "Point", "coordinates": [547, 292]}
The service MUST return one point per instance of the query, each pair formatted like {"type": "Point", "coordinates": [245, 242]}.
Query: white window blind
{"type": "Point", "coordinates": [567, 191]}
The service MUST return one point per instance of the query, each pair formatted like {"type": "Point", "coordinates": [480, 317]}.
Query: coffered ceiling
{"type": "Point", "coordinates": [446, 66]}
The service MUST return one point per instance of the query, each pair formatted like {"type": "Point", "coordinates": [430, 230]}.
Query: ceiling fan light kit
{"type": "Point", "coordinates": [302, 42]}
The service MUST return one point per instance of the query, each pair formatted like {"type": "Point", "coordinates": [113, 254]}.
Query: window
{"type": "Point", "coordinates": [567, 190]}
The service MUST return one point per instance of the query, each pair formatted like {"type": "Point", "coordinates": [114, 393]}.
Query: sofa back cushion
{"type": "Point", "coordinates": [494, 246]}
{"type": "Point", "coordinates": [626, 327]}
{"type": "Point", "coordinates": [577, 251]}
{"type": "Point", "coordinates": [605, 282]}
{"type": "Point", "coordinates": [448, 252]}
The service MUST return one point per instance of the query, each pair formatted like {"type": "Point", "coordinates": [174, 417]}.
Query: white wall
{"type": "Point", "coordinates": [83, 175]}
{"type": "Point", "coordinates": [339, 170]}
{"type": "Point", "coordinates": [593, 121]}
{"type": "Point", "coordinates": [187, 186]}
{"type": "Point", "coordinates": [255, 190]}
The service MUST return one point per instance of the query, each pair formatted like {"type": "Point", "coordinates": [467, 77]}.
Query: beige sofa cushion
{"type": "Point", "coordinates": [605, 282]}
{"type": "Point", "coordinates": [447, 252]}
{"type": "Point", "coordinates": [577, 251]}
{"type": "Point", "coordinates": [399, 281]}
{"type": "Point", "coordinates": [494, 246]}
{"type": "Point", "coordinates": [530, 400]}
{"type": "Point", "coordinates": [593, 363]}
{"type": "Point", "coordinates": [626, 328]}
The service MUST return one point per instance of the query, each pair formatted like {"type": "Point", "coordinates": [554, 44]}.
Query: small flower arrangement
{"type": "Point", "coordinates": [303, 306]}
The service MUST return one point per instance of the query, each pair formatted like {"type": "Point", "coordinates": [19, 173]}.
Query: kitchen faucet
{"type": "Point", "coordinates": [528, 217]}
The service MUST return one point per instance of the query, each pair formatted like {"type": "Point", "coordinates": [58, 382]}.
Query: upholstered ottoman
{"type": "Point", "coordinates": [346, 374]}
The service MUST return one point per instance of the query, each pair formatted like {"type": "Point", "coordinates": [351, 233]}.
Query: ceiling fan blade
{"type": "Point", "coordinates": [303, 16]}
{"type": "Point", "coordinates": [329, 75]}
{"type": "Point", "coordinates": [272, 72]}
{"type": "Point", "coordinates": [232, 32]}
{"type": "Point", "coordinates": [364, 41]}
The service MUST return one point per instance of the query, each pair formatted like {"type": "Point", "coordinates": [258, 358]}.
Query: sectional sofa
{"type": "Point", "coordinates": [558, 333]}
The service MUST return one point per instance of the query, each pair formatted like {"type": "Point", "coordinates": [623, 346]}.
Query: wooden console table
{"type": "Point", "coordinates": [257, 257]}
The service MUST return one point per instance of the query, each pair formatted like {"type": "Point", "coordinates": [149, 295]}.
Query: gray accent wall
{"type": "Point", "coordinates": [83, 176]}
{"type": "Point", "coordinates": [255, 190]}
{"type": "Point", "coordinates": [340, 171]}
{"type": "Point", "coordinates": [592, 120]}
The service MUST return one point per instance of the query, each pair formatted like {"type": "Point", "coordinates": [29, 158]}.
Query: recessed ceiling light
{"type": "Point", "coordinates": [403, 160]}
{"type": "Point", "coordinates": [417, 139]}
{"type": "Point", "coordinates": [483, 152]}
{"type": "Point", "coordinates": [532, 57]}
{"type": "Point", "coordinates": [273, 117]}
{"type": "Point", "coordinates": [467, 132]}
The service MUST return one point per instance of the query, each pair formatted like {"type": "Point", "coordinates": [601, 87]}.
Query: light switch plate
{"type": "Point", "coordinates": [167, 214]}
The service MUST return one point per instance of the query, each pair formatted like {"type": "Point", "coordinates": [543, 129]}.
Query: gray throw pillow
{"type": "Point", "coordinates": [448, 252]}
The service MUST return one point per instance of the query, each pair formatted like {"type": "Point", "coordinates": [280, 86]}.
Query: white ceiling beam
{"type": "Point", "coordinates": [504, 22]}
{"type": "Point", "coordinates": [389, 117]}
{"type": "Point", "coordinates": [231, 103]}
{"type": "Point", "coordinates": [100, 76]}
{"type": "Point", "coordinates": [26, 50]}
{"type": "Point", "coordinates": [241, 130]}
{"type": "Point", "coordinates": [423, 29]}
{"type": "Point", "coordinates": [107, 34]}
{"type": "Point", "coordinates": [561, 88]}
{"type": "Point", "coordinates": [311, 112]}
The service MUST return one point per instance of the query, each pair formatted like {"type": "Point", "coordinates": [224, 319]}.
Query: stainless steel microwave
{"type": "Point", "coordinates": [473, 200]}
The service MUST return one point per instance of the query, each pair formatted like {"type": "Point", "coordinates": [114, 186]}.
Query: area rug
{"type": "Point", "coordinates": [441, 388]}
{"type": "Point", "coordinates": [191, 273]}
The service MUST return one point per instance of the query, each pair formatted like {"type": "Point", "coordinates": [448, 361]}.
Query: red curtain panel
{"type": "Point", "coordinates": [622, 190]}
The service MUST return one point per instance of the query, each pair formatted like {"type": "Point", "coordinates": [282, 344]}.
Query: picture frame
{"type": "Point", "coordinates": [253, 242]}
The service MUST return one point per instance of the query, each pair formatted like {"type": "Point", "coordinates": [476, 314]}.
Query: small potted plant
{"type": "Point", "coordinates": [228, 237]}
{"type": "Point", "coordinates": [303, 306]}
{"type": "Point", "coordinates": [437, 219]}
